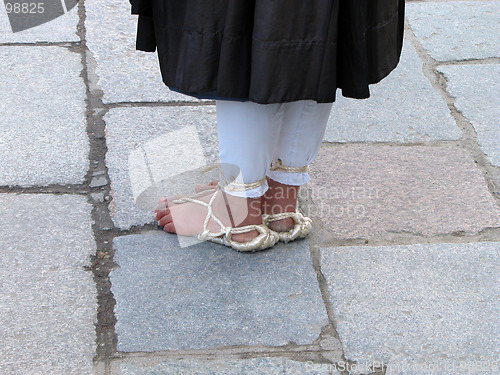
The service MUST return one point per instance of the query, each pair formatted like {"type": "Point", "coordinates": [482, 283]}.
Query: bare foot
{"type": "Point", "coordinates": [277, 199]}
{"type": "Point", "coordinates": [187, 218]}
{"type": "Point", "coordinates": [159, 213]}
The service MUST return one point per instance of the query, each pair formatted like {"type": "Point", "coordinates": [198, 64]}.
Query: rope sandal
{"type": "Point", "coordinates": [300, 229]}
{"type": "Point", "coordinates": [265, 239]}
{"type": "Point", "coordinates": [303, 223]}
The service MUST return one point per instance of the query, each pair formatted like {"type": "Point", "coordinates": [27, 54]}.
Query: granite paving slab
{"type": "Point", "coordinates": [154, 152]}
{"type": "Point", "coordinates": [60, 29]}
{"type": "Point", "coordinates": [456, 30]}
{"type": "Point", "coordinates": [403, 107]}
{"type": "Point", "coordinates": [433, 308]}
{"type": "Point", "coordinates": [125, 74]}
{"type": "Point", "coordinates": [47, 300]}
{"type": "Point", "coordinates": [260, 366]}
{"type": "Point", "coordinates": [365, 191]}
{"type": "Point", "coordinates": [209, 296]}
{"type": "Point", "coordinates": [43, 138]}
{"type": "Point", "coordinates": [476, 88]}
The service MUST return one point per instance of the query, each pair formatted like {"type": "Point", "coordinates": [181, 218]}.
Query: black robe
{"type": "Point", "coordinates": [272, 51]}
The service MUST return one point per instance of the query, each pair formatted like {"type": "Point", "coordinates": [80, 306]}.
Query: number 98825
{"type": "Point", "coordinates": [32, 8]}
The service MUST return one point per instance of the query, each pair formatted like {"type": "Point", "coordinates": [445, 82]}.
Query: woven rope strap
{"type": "Point", "coordinates": [278, 166]}
{"type": "Point", "coordinates": [300, 229]}
{"type": "Point", "coordinates": [232, 185]}
{"type": "Point", "coordinates": [266, 237]}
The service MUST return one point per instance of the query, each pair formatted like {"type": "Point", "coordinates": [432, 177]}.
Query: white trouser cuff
{"type": "Point", "coordinates": [287, 178]}
{"type": "Point", "coordinates": [252, 193]}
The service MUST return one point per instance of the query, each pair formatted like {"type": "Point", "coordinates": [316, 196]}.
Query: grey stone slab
{"type": "Point", "coordinates": [47, 300]}
{"type": "Point", "coordinates": [476, 88]}
{"type": "Point", "coordinates": [456, 30]}
{"type": "Point", "coordinates": [209, 296]}
{"type": "Point", "coordinates": [124, 74]}
{"type": "Point", "coordinates": [98, 182]}
{"type": "Point", "coordinates": [60, 29]}
{"type": "Point", "coordinates": [365, 191]}
{"type": "Point", "coordinates": [98, 197]}
{"type": "Point", "coordinates": [403, 107]}
{"type": "Point", "coordinates": [253, 366]}
{"type": "Point", "coordinates": [99, 368]}
{"type": "Point", "coordinates": [420, 306]}
{"type": "Point", "coordinates": [154, 152]}
{"type": "Point", "coordinates": [43, 137]}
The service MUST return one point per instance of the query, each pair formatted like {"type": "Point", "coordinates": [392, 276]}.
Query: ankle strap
{"type": "Point", "coordinates": [233, 185]}
{"type": "Point", "coordinates": [278, 166]}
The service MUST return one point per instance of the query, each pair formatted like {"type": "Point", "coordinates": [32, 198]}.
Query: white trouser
{"type": "Point", "coordinates": [253, 135]}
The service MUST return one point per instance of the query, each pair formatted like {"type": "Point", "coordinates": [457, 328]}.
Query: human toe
{"type": "Point", "coordinates": [161, 206]}
{"type": "Point", "coordinates": [161, 213]}
{"type": "Point", "coordinates": [165, 219]}
{"type": "Point", "coordinates": [202, 187]}
{"type": "Point", "coordinates": [166, 200]}
{"type": "Point", "coordinates": [170, 228]}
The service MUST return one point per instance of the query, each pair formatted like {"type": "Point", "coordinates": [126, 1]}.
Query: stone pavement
{"type": "Point", "coordinates": [399, 276]}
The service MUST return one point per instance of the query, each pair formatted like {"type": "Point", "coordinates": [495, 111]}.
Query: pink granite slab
{"type": "Point", "coordinates": [364, 191]}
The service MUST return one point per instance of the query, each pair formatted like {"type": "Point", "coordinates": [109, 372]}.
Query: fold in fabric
{"type": "Point", "coordinates": [141, 7]}
{"type": "Point", "coordinates": [145, 39]}
{"type": "Point", "coordinates": [272, 51]}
